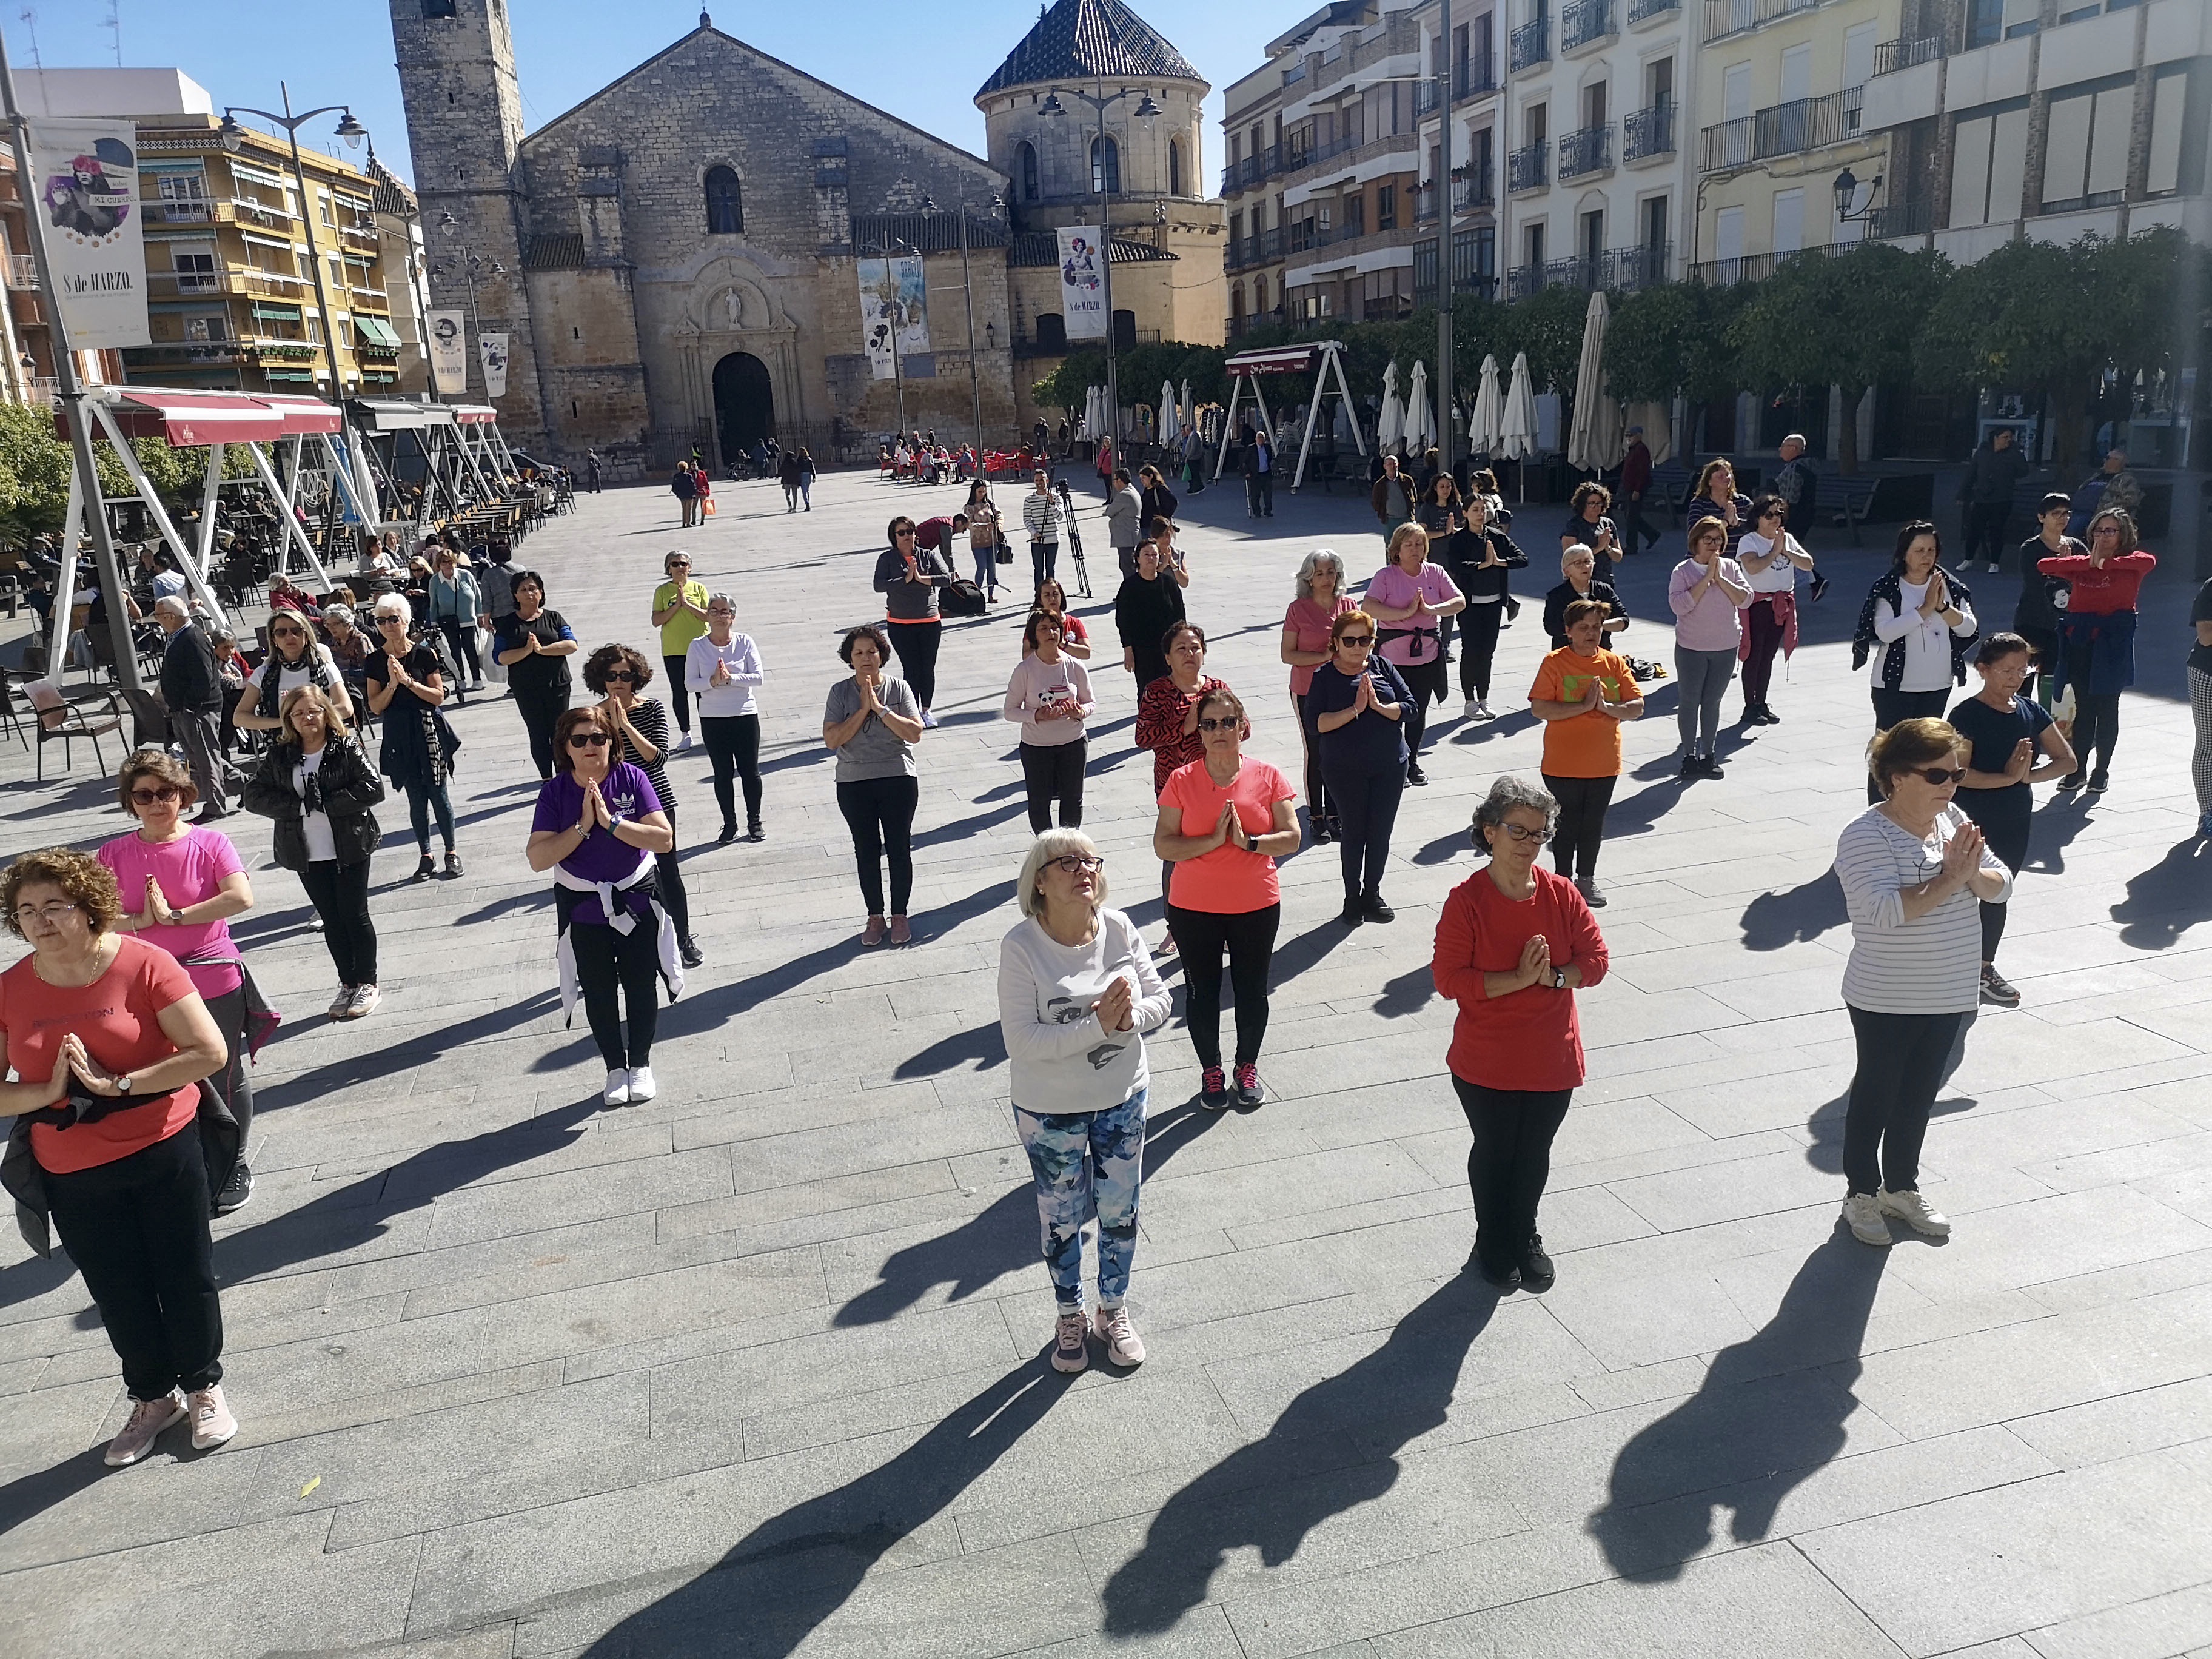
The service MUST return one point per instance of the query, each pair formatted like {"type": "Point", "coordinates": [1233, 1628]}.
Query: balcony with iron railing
{"type": "Point", "coordinates": [1648, 133]}
{"type": "Point", "coordinates": [1643, 11]}
{"type": "Point", "coordinates": [1425, 205]}
{"type": "Point", "coordinates": [1891, 55]}
{"type": "Point", "coordinates": [1585, 151]}
{"type": "Point", "coordinates": [1249, 171]}
{"type": "Point", "coordinates": [1899, 219]}
{"type": "Point", "coordinates": [1529, 45]}
{"type": "Point", "coordinates": [197, 283]}
{"type": "Point", "coordinates": [1475, 78]}
{"type": "Point", "coordinates": [1791, 129]}
{"type": "Point", "coordinates": [22, 271]}
{"type": "Point", "coordinates": [1758, 267]}
{"type": "Point", "coordinates": [1584, 23]}
{"type": "Point", "coordinates": [1526, 168]}
{"type": "Point", "coordinates": [1261, 247]}
{"type": "Point", "coordinates": [1473, 194]}
{"type": "Point", "coordinates": [1616, 270]}
{"type": "Point", "coordinates": [1727, 17]}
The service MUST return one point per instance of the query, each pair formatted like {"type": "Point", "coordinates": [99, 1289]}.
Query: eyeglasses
{"type": "Point", "coordinates": [1076, 865]}
{"type": "Point", "coordinates": [1522, 833]}
{"type": "Point", "coordinates": [1357, 641]}
{"type": "Point", "coordinates": [1229, 723]}
{"type": "Point", "coordinates": [2106, 529]}
{"type": "Point", "coordinates": [1939, 776]}
{"type": "Point", "coordinates": [587, 740]}
{"type": "Point", "coordinates": [903, 532]}
{"type": "Point", "coordinates": [620, 677]}
{"type": "Point", "coordinates": [54, 911]}
{"type": "Point", "coordinates": [720, 611]}
{"type": "Point", "coordinates": [148, 797]}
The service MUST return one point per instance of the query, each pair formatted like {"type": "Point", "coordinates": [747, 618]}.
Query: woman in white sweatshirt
{"type": "Point", "coordinates": [1050, 695]}
{"type": "Point", "coordinates": [1077, 992]}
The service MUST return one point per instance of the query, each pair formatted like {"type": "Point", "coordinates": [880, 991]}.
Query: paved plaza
{"type": "Point", "coordinates": [758, 1368]}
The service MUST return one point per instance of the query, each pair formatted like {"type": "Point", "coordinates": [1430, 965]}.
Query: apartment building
{"type": "Point", "coordinates": [1781, 91]}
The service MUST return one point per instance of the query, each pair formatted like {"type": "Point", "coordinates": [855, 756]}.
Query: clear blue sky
{"type": "Point", "coordinates": [921, 63]}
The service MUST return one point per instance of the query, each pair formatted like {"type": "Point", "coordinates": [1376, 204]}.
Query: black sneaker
{"type": "Point", "coordinates": [689, 951]}
{"type": "Point", "coordinates": [1690, 770]}
{"type": "Point", "coordinates": [235, 1191]}
{"type": "Point", "coordinates": [2099, 782]}
{"type": "Point", "coordinates": [1536, 1273]}
{"type": "Point", "coordinates": [1506, 1278]}
{"type": "Point", "coordinates": [1376, 909]}
{"type": "Point", "coordinates": [1710, 766]}
{"type": "Point", "coordinates": [1250, 1091]}
{"type": "Point", "coordinates": [454, 864]}
{"type": "Point", "coordinates": [1415, 775]}
{"type": "Point", "coordinates": [755, 832]}
{"type": "Point", "coordinates": [1354, 913]}
{"type": "Point", "coordinates": [2071, 782]}
{"type": "Point", "coordinates": [425, 870]}
{"type": "Point", "coordinates": [1996, 989]}
{"type": "Point", "coordinates": [729, 833]}
{"type": "Point", "coordinates": [1767, 716]}
{"type": "Point", "coordinates": [1213, 1090]}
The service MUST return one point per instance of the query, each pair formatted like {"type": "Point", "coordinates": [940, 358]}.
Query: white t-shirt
{"type": "Point", "coordinates": [291, 679]}
{"type": "Point", "coordinates": [1062, 1061]}
{"type": "Point", "coordinates": [322, 846]}
{"type": "Point", "coordinates": [1781, 576]}
{"type": "Point", "coordinates": [1927, 639]}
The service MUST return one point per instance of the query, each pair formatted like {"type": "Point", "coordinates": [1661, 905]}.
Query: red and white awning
{"type": "Point", "coordinates": [304, 416]}
{"type": "Point", "coordinates": [189, 420]}
{"type": "Point", "coordinates": [1278, 360]}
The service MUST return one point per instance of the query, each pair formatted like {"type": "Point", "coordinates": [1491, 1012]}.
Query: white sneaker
{"type": "Point", "coordinates": [617, 1093]}
{"type": "Point", "coordinates": [1916, 1213]}
{"type": "Point", "coordinates": [642, 1085]}
{"type": "Point", "coordinates": [341, 1004]}
{"type": "Point", "coordinates": [1993, 567]}
{"type": "Point", "coordinates": [1123, 1346]}
{"type": "Point", "coordinates": [682, 743]}
{"type": "Point", "coordinates": [1472, 711]}
{"type": "Point", "coordinates": [1482, 711]}
{"type": "Point", "coordinates": [928, 720]}
{"type": "Point", "coordinates": [213, 1423]}
{"type": "Point", "coordinates": [1863, 1213]}
{"type": "Point", "coordinates": [364, 1000]}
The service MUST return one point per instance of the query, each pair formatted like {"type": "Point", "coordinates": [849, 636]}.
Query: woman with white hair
{"type": "Point", "coordinates": [1321, 600]}
{"type": "Point", "coordinates": [407, 688]}
{"type": "Point", "coordinates": [1077, 992]}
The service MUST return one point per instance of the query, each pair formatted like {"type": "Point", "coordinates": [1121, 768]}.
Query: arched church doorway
{"type": "Point", "coordinates": [745, 402]}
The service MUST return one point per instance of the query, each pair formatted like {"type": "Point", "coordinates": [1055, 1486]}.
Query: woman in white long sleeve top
{"type": "Point", "coordinates": [722, 668]}
{"type": "Point", "coordinates": [1077, 992]}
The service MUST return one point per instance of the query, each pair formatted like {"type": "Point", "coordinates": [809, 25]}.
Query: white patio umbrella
{"type": "Point", "coordinates": [1488, 416]}
{"type": "Point", "coordinates": [1420, 431]}
{"type": "Point", "coordinates": [1593, 442]}
{"type": "Point", "coordinates": [1186, 411]}
{"type": "Point", "coordinates": [1170, 420]}
{"type": "Point", "coordinates": [1517, 430]}
{"type": "Point", "coordinates": [1391, 426]}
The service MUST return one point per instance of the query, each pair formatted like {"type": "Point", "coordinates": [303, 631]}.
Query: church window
{"type": "Point", "coordinates": [1105, 166]}
{"type": "Point", "coordinates": [437, 8]}
{"type": "Point", "coordinates": [726, 214]}
{"type": "Point", "coordinates": [1051, 331]}
{"type": "Point", "coordinates": [1174, 167]}
{"type": "Point", "coordinates": [1028, 170]}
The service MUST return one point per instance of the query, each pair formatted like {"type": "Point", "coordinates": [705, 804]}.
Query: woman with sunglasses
{"type": "Point", "coordinates": [534, 645]}
{"type": "Point", "coordinates": [407, 688]}
{"type": "Point", "coordinates": [1356, 704]}
{"type": "Point", "coordinates": [1408, 596]}
{"type": "Point", "coordinates": [181, 883]}
{"type": "Point", "coordinates": [908, 576]}
{"type": "Point", "coordinates": [619, 676]}
{"type": "Point", "coordinates": [1318, 600]}
{"type": "Point", "coordinates": [1049, 696]}
{"type": "Point", "coordinates": [1513, 944]}
{"type": "Point", "coordinates": [1074, 637]}
{"type": "Point", "coordinates": [872, 721]}
{"type": "Point", "coordinates": [598, 821]}
{"type": "Point", "coordinates": [723, 669]}
{"type": "Point", "coordinates": [2097, 638]}
{"type": "Point", "coordinates": [1583, 694]}
{"type": "Point", "coordinates": [679, 611]}
{"type": "Point", "coordinates": [1915, 870]}
{"type": "Point", "coordinates": [1225, 819]}
{"type": "Point", "coordinates": [295, 657]}
{"type": "Point", "coordinates": [321, 792]}
{"type": "Point", "coordinates": [1077, 993]}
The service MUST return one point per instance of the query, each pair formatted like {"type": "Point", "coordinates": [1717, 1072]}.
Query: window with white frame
{"type": "Point", "coordinates": [2085, 158]}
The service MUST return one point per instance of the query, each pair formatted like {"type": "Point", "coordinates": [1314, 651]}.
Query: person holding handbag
{"type": "Point", "coordinates": [983, 538]}
{"type": "Point", "coordinates": [1356, 703]}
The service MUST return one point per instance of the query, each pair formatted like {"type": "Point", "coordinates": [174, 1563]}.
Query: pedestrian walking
{"type": "Point", "coordinates": [1077, 993]}
{"type": "Point", "coordinates": [1356, 704]}
{"type": "Point", "coordinates": [1707, 594]}
{"type": "Point", "coordinates": [1513, 945]}
{"type": "Point", "coordinates": [593, 472]}
{"type": "Point", "coordinates": [1150, 604]}
{"type": "Point", "coordinates": [109, 1039]}
{"type": "Point", "coordinates": [1923, 618]}
{"type": "Point", "coordinates": [873, 720]}
{"type": "Point", "coordinates": [1635, 486]}
{"type": "Point", "coordinates": [1157, 500]}
{"type": "Point", "coordinates": [786, 474]}
{"type": "Point", "coordinates": [805, 479]}
{"type": "Point", "coordinates": [2097, 637]}
{"type": "Point", "coordinates": [534, 645]}
{"type": "Point", "coordinates": [1406, 597]}
{"type": "Point", "coordinates": [456, 602]}
{"type": "Point", "coordinates": [1913, 869]}
{"type": "Point", "coordinates": [1318, 600]}
{"type": "Point", "coordinates": [983, 514]}
{"type": "Point", "coordinates": [1985, 492]}
{"type": "Point", "coordinates": [1583, 694]}
{"type": "Point", "coordinates": [1481, 559]}
{"type": "Point", "coordinates": [407, 690]}
{"type": "Point", "coordinates": [1771, 557]}
{"type": "Point", "coordinates": [319, 789]}
{"type": "Point", "coordinates": [723, 669]}
{"type": "Point", "coordinates": [908, 574]}
{"type": "Point", "coordinates": [1049, 696]}
{"type": "Point", "coordinates": [619, 676]}
{"type": "Point", "coordinates": [2200, 706]}
{"type": "Point", "coordinates": [679, 611]}
{"type": "Point", "coordinates": [1393, 498]}
{"type": "Point", "coordinates": [1041, 517]}
{"type": "Point", "coordinates": [1225, 819]}
{"type": "Point", "coordinates": [597, 826]}
{"type": "Point", "coordinates": [193, 697]}
{"type": "Point", "coordinates": [1259, 462]}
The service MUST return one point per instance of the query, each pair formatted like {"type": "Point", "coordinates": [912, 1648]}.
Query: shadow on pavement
{"type": "Point", "coordinates": [1797, 916]}
{"type": "Point", "coordinates": [29, 1496]}
{"type": "Point", "coordinates": [2168, 899]}
{"type": "Point", "coordinates": [1825, 1150]}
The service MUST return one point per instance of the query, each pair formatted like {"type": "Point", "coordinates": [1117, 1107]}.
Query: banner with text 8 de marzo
{"type": "Point", "coordinates": [894, 299]}
{"type": "Point", "coordinates": [449, 352]}
{"type": "Point", "coordinates": [89, 213]}
{"type": "Point", "coordinates": [1082, 282]}
{"type": "Point", "coordinates": [493, 347]}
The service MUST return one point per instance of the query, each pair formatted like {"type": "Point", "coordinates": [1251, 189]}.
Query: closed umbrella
{"type": "Point", "coordinates": [1488, 417]}
{"type": "Point", "coordinates": [1420, 431]}
{"type": "Point", "coordinates": [1516, 437]}
{"type": "Point", "coordinates": [1187, 412]}
{"type": "Point", "coordinates": [1391, 426]}
{"type": "Point", "coordinates": [1593, 442]}
{"type": "Point", "coordinates": [1170, 425]}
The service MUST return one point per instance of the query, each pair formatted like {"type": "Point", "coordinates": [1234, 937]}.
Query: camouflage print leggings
{"type": "Point", "coordinates": [1087, 1166]}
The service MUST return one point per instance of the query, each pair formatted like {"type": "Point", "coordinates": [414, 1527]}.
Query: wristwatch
{"type": "Point", "coordinates": [1559, 977]}
{"type": "Point", "coordinates": [614, 822]}
{"type": "Point", "coordinates": [123, 1084]}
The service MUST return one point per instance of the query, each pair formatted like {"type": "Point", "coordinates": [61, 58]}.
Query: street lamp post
{"type": "Point", "coordinates": [1444, 260]}
{"type": "Point", "coordinates": [1103, 179]}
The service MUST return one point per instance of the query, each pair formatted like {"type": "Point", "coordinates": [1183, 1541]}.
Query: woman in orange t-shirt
{"type": "Point", "coordinates": [1224, 822]}
{"type": "Point", "coordinates": [110, 1043]}
{"type": "Point", "coordinates": [1583, 694]}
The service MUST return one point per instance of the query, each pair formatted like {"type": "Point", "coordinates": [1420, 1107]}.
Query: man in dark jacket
{"type": "Point", "coordinates": [1259, 475]}
{"type": "Point", "coordinates": [1986, 492]}
{"type": "Point", "coordinates": [192, 694]}
{"type": "Point", "coordinates": [1796, 483]}
{"type": "Point", "coordinates": [1635, 485]}
{"type": "Point", "coordinates": [683, 484]}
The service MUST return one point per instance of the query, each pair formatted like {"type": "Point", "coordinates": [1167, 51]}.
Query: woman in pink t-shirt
{"type": "Point", "coordinates": [1408, 597]}
{"type": "Point", "coordinates": [1224, 822]}
{"type": "Point", "coordinates": [181, 883]}
{"type": "Point", "coordinates": [1320, 600]}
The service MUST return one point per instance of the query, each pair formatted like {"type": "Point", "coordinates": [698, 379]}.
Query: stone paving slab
{"type": "Point", "coordinates": [757, 1370]}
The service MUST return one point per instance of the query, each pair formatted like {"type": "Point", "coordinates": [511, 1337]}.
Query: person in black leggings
{"type": "Point", "coordinates": [534, 646]}
{"type": "Point", "coordinates": [723, 669]}
{"type": "Point", "coordinates": [909, 576]}
{"type": "Point", "coordinates": [873, 720]}
{"type": "Point", "coordinates": [1356, 703]}
{"type": "Point", "coordinates": [1478, 558]}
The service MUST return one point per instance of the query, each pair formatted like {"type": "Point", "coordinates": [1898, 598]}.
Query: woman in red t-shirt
{"type": "Point", "coordinates": [1513, 943]}
{"type": "Point", "coordinates": [1224, 822]}
{"type": "Point", "coordinates": [2097, 638]}
{"type": "Point", "coordinates": [1320, 600]}
{"type": "Point", "coordinates": [110, 1043]}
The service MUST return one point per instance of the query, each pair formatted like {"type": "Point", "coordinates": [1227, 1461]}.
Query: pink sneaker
{"type": "Point", "coordinates": [212, 1422]}
{"type": "Point", "coordinates": [873, 934]}
{"type": "Point", "coordinates": [147, 1419]}
{"type": "Point", "coordinates": [1123, 1346]}
{"type": "Point", "coordinates": [1070, 1353]}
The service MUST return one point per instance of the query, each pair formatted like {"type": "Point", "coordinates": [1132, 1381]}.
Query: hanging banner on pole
{"type": "Point", "coordinates": [894, 301]}
{"type": "Point", "coordinates": [449, 352]}
{"type": "Point", "coordinates": [87, 186]}
{"type": "Point", "coordinates": [493, 347]}
{"type": "Point", "coordinates": [1083, 282]}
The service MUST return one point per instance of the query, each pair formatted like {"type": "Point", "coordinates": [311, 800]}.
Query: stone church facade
{"type": "Point", "coordinates": [675, 260]}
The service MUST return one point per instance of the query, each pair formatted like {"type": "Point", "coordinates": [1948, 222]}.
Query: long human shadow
{"type": "Point", "coordinates": [2053, 830]}
{"type": "Point", "coordinates": [29, 1496]}
{"type": "Point", "coordinates": [2168, 899]}
{"type": "Point", "coordinates": [1768, 1416]}
{"type": "Point", "coordinates": [352, 1070]}
{"type": "Point", "coordinates": [1334, 1446]}
{"type": "Point", "coordinates": [1794, 914]}
{"type": "Point", "coordinates": [1002, 1240]}
{"type": "Point", "coordinates": [1824, 1147]}
{"type": "Point", "coordinates": [1640, 813]}
{"type": "Point", "coordinates": [777, 1584]}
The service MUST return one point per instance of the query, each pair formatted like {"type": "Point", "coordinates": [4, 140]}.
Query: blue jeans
{"type": "Point", "coordinates": [1087, 1167]}
{"type": "Point", "coordinates": [422, 799]}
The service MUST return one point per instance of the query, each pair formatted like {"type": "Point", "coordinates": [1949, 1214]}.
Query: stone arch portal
{"type": "Point", "coordinates": [745, 402]}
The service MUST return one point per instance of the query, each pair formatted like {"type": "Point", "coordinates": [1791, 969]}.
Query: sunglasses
{"type": "Point", "coordinates": [620, 677]}
{"type": "Point", "coordinates": [286, 634]}
{"type": "Point", "coordinates": [901, 532]}
{"type": "Point", "coordinates": [1358, 641]}
{"type": "Point", "coordinates": [1076, 865]}
{"type": "Point", "coordinates": [1939, 776]}
{"type": "Point", "coordinates": [1229, 723]}
{"type": "Point", "coordinates": [588, 740]}
{"type": "Point", "coordinates": [148, 797]}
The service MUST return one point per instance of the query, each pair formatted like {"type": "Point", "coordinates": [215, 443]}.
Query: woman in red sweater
{"type": "Point", "coordinates": [1513, 943]}
{"type": "Point", "coordinates": [2097, 638]}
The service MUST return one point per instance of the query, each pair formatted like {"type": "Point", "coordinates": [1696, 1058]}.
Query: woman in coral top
{"type": "Point", "coordinates": [1583, 694]}
{"type": "Point", "coordinates": [2097, 638]}
{"type": "Point", "coordinates": [111, 1041]}
{"type": "Point", "coordinates": [1513, 943]}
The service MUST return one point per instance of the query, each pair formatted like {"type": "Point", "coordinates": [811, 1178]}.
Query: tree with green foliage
{"type": "Point", "coordinates": [35, 464]}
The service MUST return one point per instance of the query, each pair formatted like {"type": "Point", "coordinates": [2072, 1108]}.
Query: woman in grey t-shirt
{"type": "Point", "coordinates": [873, 722]}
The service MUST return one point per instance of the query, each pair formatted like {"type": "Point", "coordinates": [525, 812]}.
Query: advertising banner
{"type": "Point", "coordinates": [448, 347]}
{"type": "Point", "coordinates": [86, 177]}
{"type": "Point", "coordinates": [1082, 282]}
{"type": "Point", "coordinates": [493, 347]}
{"type": "Point", "coordinates": [894, 302]}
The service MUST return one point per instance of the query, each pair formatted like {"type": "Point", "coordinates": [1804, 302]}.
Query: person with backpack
{"type": "Point", "coordinates": [683, 484]}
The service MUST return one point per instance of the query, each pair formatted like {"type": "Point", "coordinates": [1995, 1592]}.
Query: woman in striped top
{"type": "Point", "coordinates": [1915, 871]}
{"type": "Point", "coordinates": [620, 676]}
